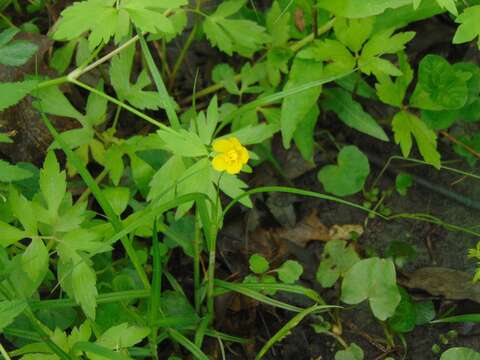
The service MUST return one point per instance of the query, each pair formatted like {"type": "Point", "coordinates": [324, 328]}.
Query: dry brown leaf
{"type": "Point", "coordinates": [448, 283]}
{"type": "Point", "coordinates": [344, 232]}
{"type": "Point", "coordinates": [308, 229]}
{"type": "Point", "coordinates": [299, 19]}
{"type": "Point", "coordinates": [311, 229]}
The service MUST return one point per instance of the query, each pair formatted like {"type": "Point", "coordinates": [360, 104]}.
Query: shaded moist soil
{"type": "Point", "coordinates": [434, 245]}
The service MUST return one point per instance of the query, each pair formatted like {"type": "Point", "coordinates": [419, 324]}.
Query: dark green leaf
{"type": "Point", "coordinates": [351, 113]}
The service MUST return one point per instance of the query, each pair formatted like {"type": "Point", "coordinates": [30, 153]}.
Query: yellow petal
{"type": "Point", "coordinates": [234, 141]}
{"type": "Point", "coordinates": [234, 168]}
{"type": "Point", "coordinates": [244, 156]}
{"type": "Point", "coordinates": [219, 163]}
{"type": "Point", "coordinates": [222, 145]}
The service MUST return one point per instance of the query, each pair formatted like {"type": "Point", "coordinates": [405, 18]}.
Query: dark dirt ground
{"type": "Point", "coordinates": [435, 246]}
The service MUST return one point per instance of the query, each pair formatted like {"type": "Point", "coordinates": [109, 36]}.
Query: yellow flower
{"type": "Point", "coordinates": [231, 155]}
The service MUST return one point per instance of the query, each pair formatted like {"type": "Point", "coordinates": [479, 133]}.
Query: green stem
{"type": "Point", "coordinates": [4, 353]}
{"type": "Point", "coordinates": [75, 74]}
{"type": "Point", "coordinates": [121, 104]}
{"type": "Point", "coordinates": [53, 82]}
{"type": "Point", "coordinates": [88, 191]}
{"type": "Point", "coordinates": [7, 20]}
{"type": "Point", "coordinates": [156, 289]}
{"type": "Point", "coordinates": [182, 55]}
{"type": "Point", "coordinates": [116, 118]}
{"type": "Point", "coordinates": [211, 235]}
{"type": "Point", "coordinates": [45, 337]}
{"type": "Point", "coordinates": [196, 263]}
{"type": "Point", "coordinates": [162, 90]}
{"type": "Point", "coordinates": [185, 47]}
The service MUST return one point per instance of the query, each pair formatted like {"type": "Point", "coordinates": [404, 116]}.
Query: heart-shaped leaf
{"type": "Point", "coordinates": [349, 175]}
{"type": "Point", "coordinates": [373, 279]}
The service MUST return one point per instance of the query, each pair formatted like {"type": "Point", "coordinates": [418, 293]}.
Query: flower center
{"type": "Point", "coordinates": [231, 156]}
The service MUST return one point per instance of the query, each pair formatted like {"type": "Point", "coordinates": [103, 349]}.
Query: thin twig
{"type": "Point", "coordinates": [460, 143]}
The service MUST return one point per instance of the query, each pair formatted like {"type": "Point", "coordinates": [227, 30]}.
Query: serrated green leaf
{"type": "Point", "coordinates": [10, 173]}
{"type": "Point", "coordinates": [469, 27]}
{"type": "Point", "coordinates": [351, 113]}
{"type": "Point", "coordinates": [336, 55]}
{"type": "Point", "coordinates": [23, 210]}
{"type": "Point", "coordinates": [12, 92]}
{"type": "Point", "coordinates": [379, 44]}
{"type": "Point", "coordinates": [206, 124]}
{"type": "Point", "coordinates": [62, 57]}
{"type": "Point", "coordinates": [77, 19]}
{"type": "Point", "coordinates": [385, 42]}
{"type": "Point", "coordinates": [78, 279]}
{"type": "Point", "coordinates": [183, 143]}
{"type": "Point", "coordinates": [166, 177]}
{"type": "Point", "coordinates": [278, 25]}
{"type": "Point", "coordinates": [360, 9]}
{"type": "Point", "coordinates": [232, 186]}
{"type": "Point", "coordinates": [348, 177]}
{"type": "Point", "coordinates": [118, 197]}
{"type": "Point", "coordinates": [449, 5]}
{"type": "Point", "coordinates": [254, 134]}
{"type": "Point", "coordinates": [405, 125]}
{"type": "Point", "coordinates": [146, 19]}
{"type": "Point", "coordinates": [393, 92]}
{"type": "Point", "coordinates": [96, 109]}
{"type": "Point", "coordinates": [122, 336]}
{"type": "Point", "coordinates": [52, 100]}
{"type": "Point", "coordinates": [114, 163]}
{"type": "Point", "coordinates": [9, 310]}
{"type": "Point", "coordinates": [52, 183]}
{"type": "Point", "coordinates": [120, 73]}
{"type": "Point", "coordinates": [296, 107]}
{"type": "Point", "coordinates": [228, 8]}
{"type": "Point", "coordinates": [181, 233]}
{"type": "Point", "coordinates": [35, 262]}
{"type": "Point", "coordinates": [353, 32]}
{"type": "Point", "coordinates": [373, 279]}
{"type": "Point", "coordinates": [304, 135]}
{"type": "Point", "coordinates": [196, 179]}
{"type": "Point", "coordinates": [9, 234]}
{"type": "Point", "coordinates": [229, 35]}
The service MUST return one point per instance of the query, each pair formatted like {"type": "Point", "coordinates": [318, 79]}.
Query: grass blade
{"type": "Point", "coordinates": [156, 289]}
{"type": "Point", "coordinates": [241, 289]}
{"type": "Point", "coordinates": [98, 350]}
{"type": "Point", "coordinates": [285, 330]}
{"type": "Point", "coordinates": [473, 318]}
{"type": "Point", "coordinates": [162, 90]}
{"type": "Point", "coordinates": [187, 344]}
{"type": "Point", "coordinates": [295, 289]}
